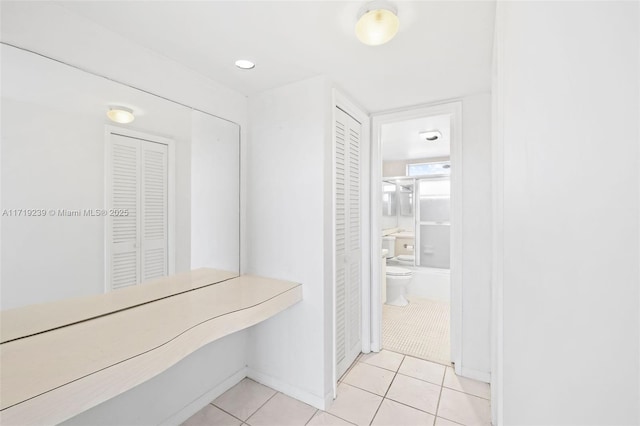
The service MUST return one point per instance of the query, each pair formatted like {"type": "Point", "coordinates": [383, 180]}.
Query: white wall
{"type": "Point", "coordinates": [289, 150]}
{"type": "Point", "coordinates": [399, 167]}
{"type": "Point", "coordinates": [47, 175]}
{"type": "Point", "coordinates": [215, 193]}
{"type": "Point", "coordinates": [476, 234]}
{"type": "Point", "coordinates": [567, 88]}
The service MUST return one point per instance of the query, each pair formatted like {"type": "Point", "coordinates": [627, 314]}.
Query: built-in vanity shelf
{"type": "Point", "coordinates": [53, 375]}
{"type": "Point", "coordinates": [34, 319]}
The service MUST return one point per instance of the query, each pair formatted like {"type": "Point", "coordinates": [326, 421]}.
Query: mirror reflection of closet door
{"type": "Point", "coordinates": [137, 208]}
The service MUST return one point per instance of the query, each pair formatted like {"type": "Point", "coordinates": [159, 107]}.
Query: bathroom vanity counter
{"type": "Point", "coordinates": [54, 375]}
{"type": "Point", "coordinates": [403, 234]}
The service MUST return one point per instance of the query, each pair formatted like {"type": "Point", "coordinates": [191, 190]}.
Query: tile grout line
{"type": "Point", "coordinates": [338, 417]}
{"type": "Point", "coordinates": [265, 403]}
{"type": "Point", "coordinates": [411, 406]}
{"type": "Point", "coordinates": [385, 394]}
{"type": "Point", "coordinates": [466, 393]}
{"type": "Point", "coordinates": [341, 418]}
{"type": "Point", "coordinates": [440, 396]}
{"type": "Point", "coordinates": [240, 420]}
{"type": "Point", "coordinates": [312, 416]}
{"type": "Point", "coordinates": [341, 381]}
{"type": "Point", "coordinates": [407, 355]}
{"type": "Point", "coordinates": [417, 357]}
{"type": "Point", "coordinates": [353, 364]}
{"type": "Point", "coordinates": [416, 378]}
{"type": "Point", "coordinates": [422, 380]}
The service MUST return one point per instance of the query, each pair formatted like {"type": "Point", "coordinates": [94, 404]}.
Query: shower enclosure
{"type": "Point", "coordinates": [433, 222]}
{"type": "Point", "coordinates": [421, 205]}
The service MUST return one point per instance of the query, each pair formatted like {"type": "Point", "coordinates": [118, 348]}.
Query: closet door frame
{"type": "Point", "coordinates": [339, 100]}
{"type": "Point", "coordinates": [171, 194]}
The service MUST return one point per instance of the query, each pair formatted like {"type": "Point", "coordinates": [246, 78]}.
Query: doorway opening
{"type": "Point", "coordinates": [416, 213]}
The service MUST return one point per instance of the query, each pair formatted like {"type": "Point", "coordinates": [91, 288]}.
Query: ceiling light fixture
{"type": "Point", "coordinates": [245, 64]}
{"type": "Point", "coordinates": [430, 135]}
{"type": "Point", "coordinates": [120, 114]}
{"type": "Point", "coordinates": [377, 23]}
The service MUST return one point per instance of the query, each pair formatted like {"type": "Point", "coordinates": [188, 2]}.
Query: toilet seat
{"type": "Point", "coordinates": [406, 258]}
{"type": "Point", "coordinates": [394, 271]}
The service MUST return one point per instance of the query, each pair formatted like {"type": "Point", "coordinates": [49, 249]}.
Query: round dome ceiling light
{"type": "Point", "coordinates": [430, 135]}
{"type": "Point", "coordinates": [120, 114]}
{"type": "Point", "coordinates": [245, 64]}
{"type": "Point", "coordinates": [377, 23]}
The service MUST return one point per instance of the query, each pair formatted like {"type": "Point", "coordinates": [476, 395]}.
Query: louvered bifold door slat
{"type": "Point", "coordinates": [154, 207]}
{"type": "Point", "coordinates": [354, 226]}
{"type": "Point", "coordinates": [347, 234]}
{"type": "Point", "coordinates": [341, 238]}
{"type": "Point", "coordinates": [124, 175]}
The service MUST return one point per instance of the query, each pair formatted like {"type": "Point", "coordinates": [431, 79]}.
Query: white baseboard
{"type": "Point", "coordinates": [321, 403]}
{"type": "Point", "coordinates": [328, 400]}
{"type": "Point", "coordinates": [470, 373]}
{"type": "Point", "coordinates": [196, 405]}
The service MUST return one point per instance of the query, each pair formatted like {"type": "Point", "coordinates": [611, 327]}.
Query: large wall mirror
{"type": "Point", "coordinates": [90, 205]}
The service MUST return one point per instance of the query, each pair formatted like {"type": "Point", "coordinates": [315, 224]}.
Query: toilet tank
{"type": "Point", "coordinates": [389, 243]}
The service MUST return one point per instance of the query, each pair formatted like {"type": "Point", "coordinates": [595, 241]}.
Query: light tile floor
{"type": "Point", "coordinates": [386, 389]}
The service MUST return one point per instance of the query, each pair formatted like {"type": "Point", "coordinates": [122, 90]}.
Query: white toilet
{"type": "Point", "coordinates": [397, 281]}
{"type": "Point", "coordinates": [397, 278]}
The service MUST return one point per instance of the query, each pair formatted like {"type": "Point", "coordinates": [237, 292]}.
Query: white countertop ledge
{"type": "Point", "coordinates": [33, 319]}
{"type": "Point", "coordinates": [55, 375]}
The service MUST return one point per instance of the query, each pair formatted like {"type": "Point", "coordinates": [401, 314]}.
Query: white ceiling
{"type": "Point", "coordinates": [442, 51]}
{"type": "Point", "coordinates": [400, 140]}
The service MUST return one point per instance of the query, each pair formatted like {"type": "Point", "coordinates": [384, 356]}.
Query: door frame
{"type": "Point", "coordinates": [171, 194]}
{"type": "Point", "coordinates": [372, 300]}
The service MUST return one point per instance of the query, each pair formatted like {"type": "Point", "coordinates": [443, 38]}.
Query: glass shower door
{"type": "Point", "coordinates": [434, 222]}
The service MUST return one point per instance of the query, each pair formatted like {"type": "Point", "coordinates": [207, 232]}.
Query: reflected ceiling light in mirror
{"type": "Point", "coordinates": [245, 64]}
{"type": "Point", "coordinates": [120, 114]}
{"type": "Point", "coordinates": [430, 135]}
{"type": "Point", "coordinates": [377, 23]}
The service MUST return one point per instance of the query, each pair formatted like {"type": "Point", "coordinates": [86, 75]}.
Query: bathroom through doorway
{"type": "Point", "coordinates": [416, 214]}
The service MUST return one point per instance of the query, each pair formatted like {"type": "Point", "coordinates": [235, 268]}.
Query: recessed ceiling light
{"type": "Point", "coordinates": [430, 135]}
{"type": "Point", "coordinates": [245, 64]}
{"type": "Point", "coordinates": [120, 114]}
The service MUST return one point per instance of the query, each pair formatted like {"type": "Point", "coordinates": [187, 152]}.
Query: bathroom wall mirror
{"type": "Point", "coordinates": [89, 205]}
{"type": "Point", "coordinates": [389, 205]}
{"type": "Point", "coordinates": [406, 197]}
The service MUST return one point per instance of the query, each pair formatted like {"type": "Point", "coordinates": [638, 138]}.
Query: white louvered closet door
{"type": "Point", "coordinates": [154, 210]}
{"type": "Point", "coordinates": [348, 279]}
{"type": "Point", "coordinates": [138, 184]}
{"type": "Point", "coordinates": [124, 173]}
